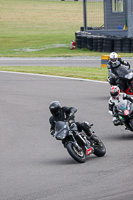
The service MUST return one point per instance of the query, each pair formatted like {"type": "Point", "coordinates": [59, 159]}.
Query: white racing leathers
{"type": "Point", "coordinates": [114, 102]}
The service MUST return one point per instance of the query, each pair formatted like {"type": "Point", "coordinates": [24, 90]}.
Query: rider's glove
{"type": "Point", "coordinates": [108, 79]}
{"type": "Point", "coordinates": [110, 112]}
{"type": "Point", "coordinates": [132, 99]}
{"type": "Point", "coordinates": [52, 132]}
{"type": "Point", "coordinates": [71, 116]}
{"type": "Point", "coordinates": [116, 121]}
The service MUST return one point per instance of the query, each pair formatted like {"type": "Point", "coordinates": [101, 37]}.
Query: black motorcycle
{"type": "Point", "coordinates": [124, 79]}
{"type": "Point", "coordinates": [78, 144]}
{"type": "Point", "coordinates": [125, 113]}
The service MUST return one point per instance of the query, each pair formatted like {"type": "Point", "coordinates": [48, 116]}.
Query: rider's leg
{"type": "Point", "coordinates": [85, 126]}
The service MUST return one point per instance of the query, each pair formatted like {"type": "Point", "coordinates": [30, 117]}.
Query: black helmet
{"type": "Point", "coordinates": [55, 107]}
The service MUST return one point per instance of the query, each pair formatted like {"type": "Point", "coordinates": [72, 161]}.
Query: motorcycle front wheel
{"type": "Point", "coordinates": [131, 124]}
{"type": "Point", "coordinates": [77, 155]}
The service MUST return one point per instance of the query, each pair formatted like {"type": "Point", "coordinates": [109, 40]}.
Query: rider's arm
{"type": "Point", "coordinates": [70, 111]}
{"type": "Point", "coordinates": [123, 62]}
{"type": "Point", "coordinates": [109, 68]}
{"type": "Point", "coordinates": [110, 72]}
{"type": "Point", "coordinates": [111, 106]}
{"type": "Point", "coordinates": [125, 96]}
{"type": "Point", "coordinates": [52, 127]}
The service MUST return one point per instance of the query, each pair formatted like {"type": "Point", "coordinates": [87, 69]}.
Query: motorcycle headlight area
{"type": "Point", "coordinates": [64, 134]}
{"type": "Point", "coordinates": [129, 76]}
{"type": "Point", "coordinates": [61, 134]}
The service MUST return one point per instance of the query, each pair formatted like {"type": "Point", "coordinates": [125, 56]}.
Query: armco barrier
{"type": "Point", "coordinates": [105, 59]}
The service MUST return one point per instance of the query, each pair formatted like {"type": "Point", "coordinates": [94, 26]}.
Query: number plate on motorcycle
{"type": "Point", "coordinates": [126, 112]}
{"type": "Point", "coordinates": [89, 151]}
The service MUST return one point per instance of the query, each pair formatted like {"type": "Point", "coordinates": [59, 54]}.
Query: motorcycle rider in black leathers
{"type": "Point", "coordinates": [67, 113]}
{"type": "Point", "coordinates": [113, 64]}
{"type": "Point", "coordinates": [116, 97]}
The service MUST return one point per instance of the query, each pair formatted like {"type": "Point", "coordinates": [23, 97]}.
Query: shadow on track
{"type": "Point", "coordinates": [123, 136]}
{"type": "Point", "coordinates": [65, 161]}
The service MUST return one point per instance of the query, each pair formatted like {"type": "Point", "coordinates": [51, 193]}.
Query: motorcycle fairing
{"type": "Point", "coordinates": [124, 73]}
{"type": "Point", "coordinates": [62, 130]}
{"type": "Point", "coordinates": [124, 109]}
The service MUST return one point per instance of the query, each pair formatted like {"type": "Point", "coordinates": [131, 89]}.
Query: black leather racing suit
{"type": "Point", "coordinates": [64, 114]}
{"type": "Point", "coordinates": [112, 70]}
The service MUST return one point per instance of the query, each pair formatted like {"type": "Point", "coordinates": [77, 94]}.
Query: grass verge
{"type": "Point", "coordinates": [92, 73]}
{"type": "Point", "coordinates": [42, 28]}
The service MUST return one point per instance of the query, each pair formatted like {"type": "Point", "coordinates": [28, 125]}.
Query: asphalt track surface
{"type": "Point", "coordinates": [35, 166]}
{"type": "Point", "coordinates": [86, 61]}
{"type": "Point", "coordinates": [57, 61]}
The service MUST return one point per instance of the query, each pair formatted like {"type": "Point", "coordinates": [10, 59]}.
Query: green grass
{"type": "Point", "coordinates": [36, 24]}
{"type": "Point", "coordinates": [76, 72]}
{"type": "Point", "coordinates": [34, 28]}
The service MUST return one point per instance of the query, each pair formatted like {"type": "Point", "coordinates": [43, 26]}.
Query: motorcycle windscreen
{"type": "Point", "coordinates": [62, 130]}
{"type": "Point", "coordinates": [124, 108]}
{"type": "Point", "coordinates": [59, 125]}
{"type": "Point", "coordinates": [122, 105]}
{"type": "Point", "coordinates": [122, 71]}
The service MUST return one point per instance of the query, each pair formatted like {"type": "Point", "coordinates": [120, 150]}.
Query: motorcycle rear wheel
{"type": "Point", "coordinates": [77, 155]}
{"type": "Point", "coordinates": [99, 149]}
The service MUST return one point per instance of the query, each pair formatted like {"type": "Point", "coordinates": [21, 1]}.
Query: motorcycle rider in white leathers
{"type": "Point", "coordinates": [115, 98]}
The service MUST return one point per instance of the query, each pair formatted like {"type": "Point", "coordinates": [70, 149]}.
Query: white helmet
{"type": "Point", "coordinates": [113, 57]}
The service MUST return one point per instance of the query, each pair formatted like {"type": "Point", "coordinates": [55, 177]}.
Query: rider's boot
{"type": "Point", "coordinates": [116, 121]}
{"type": "Point", "coordinates": [90, 135]}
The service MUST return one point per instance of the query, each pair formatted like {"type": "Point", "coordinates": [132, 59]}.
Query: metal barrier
{"type": "Point", "coordinates": [104, 60]}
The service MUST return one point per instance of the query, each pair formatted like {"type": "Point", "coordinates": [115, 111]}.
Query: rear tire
{"type": "Point", "coordinates": [99, 149]}
{"type": "Point", "coordinates": [79, 156]}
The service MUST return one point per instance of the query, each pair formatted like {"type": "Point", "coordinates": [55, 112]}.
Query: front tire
{"type": "Point", "coordinates": [131, 124]}
{"type": "Point", "coordinates": [77, 155]}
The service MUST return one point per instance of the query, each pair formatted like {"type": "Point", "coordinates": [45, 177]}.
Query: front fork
{"type": "Point", "coordinates": [73, 140]}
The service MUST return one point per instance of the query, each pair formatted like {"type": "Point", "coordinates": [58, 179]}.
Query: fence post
{"type": "Point", "coordinates": [104, 60]}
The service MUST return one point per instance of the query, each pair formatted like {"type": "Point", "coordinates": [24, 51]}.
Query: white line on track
{"type": "Point", "coordinates": [51, 59]}
{"type": "Point", "coordinates": [52, 76]}
{"type": "Point", "coordinates": [59, 58]}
